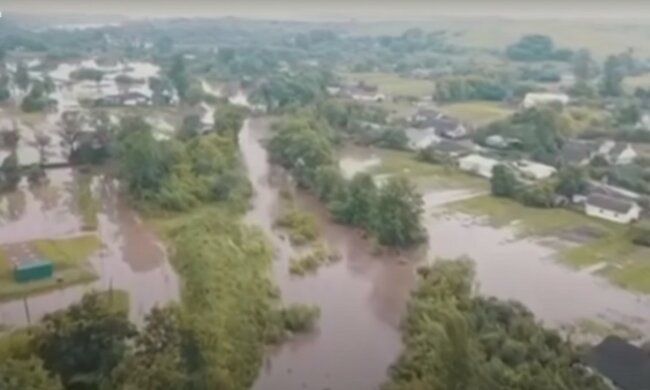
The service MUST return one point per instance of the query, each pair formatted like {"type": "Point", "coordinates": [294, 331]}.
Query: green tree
{"type": "Point", "coordinates": [356, 206]}
{"type": "Point", "coordinates": [503, 181]}
{"type": "Point", "coordinates": [571, 181]}
{"type": "Point", "coordinates": [191, 127]}
{"type": "Point", "coordinates": [612, 82]}
{"type": "Point", "coordinates": [398, 220]}
{"type": "Point", "coordinates": [26, 375]}
{"type": "Point", "coordinates": [21, 77]}
{"type": "Point", "coordinates": [228, 120]}
{"type": "Point", "coordinates": [10, 172]}
{"type": "Point", "coordinates": [583, 65]}
{"type": "Point", "coordinates": [179, 76]}
{"type": "Point", "coordinates": [83, 343]}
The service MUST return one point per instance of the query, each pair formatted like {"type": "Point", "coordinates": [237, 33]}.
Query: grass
{"type": "Point", "coordinates": [477, 113]}
{"type": "Point", "coordinates": [625, 264]}
{"type": "Point", "coordinates": [118, 300]}
{"type": "Point", "coordinates": [88, 205]}
{"type": "Point", "coordinates": [395, 162]}
{"type": "Point", "coordinates": [601, 329]}
{"type": "Point", "coordinates": [300, 225]}
{"type": "Point", "coordinates": [70, 266]}
{"type": "Point", "coordinates": [310, 262]}
{"type": "Point", "coordinates": [393, 84]}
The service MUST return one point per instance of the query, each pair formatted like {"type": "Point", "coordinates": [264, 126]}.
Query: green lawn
{"type": "Point", "coordinates": [625, 264]}
{"type": "Point", "coordinates": [70, 266]}
{"type": "Point", "coordinates": [477, 113]}
{"type": "Point", "coordinates": [393, 84]}
{"type": "Point", "coordinates": [406, 163]}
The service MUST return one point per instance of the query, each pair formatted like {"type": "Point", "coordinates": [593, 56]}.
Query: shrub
{"type": "Point", "coordinates": [301, 226]}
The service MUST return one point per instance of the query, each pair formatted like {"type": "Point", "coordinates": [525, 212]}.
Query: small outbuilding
{"type": "Point", "coordinates": [612, 209]}
{"type": "Point", "coordinates": [626, 366]}
{"type": "Point", "coordinates": [33, 270]}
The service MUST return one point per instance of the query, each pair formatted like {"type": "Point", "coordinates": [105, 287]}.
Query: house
{"type": "Point", "coordinates": [621, 154]}
{"type": "Point", "coordinates": [449, 128]}
{"type": "Point", "coordinates": [500, 142]}
{"type": "Point", "coordinates": [534, 170]}
{"type": "Point", "coordinates": [478, 164]}
{"type": "Point", "coordinates": [626, 366]}
{"type": "Point", "coordinates": [535, 99]}
{"type": "Point", "coordinates": [611, 208]}
{"type": "Point", "coordinates": [579, 153]}
{"type": "Point", "coordinates": [449, 149]}
{"type": "Point", "coordinates": [366, 93]}
{"type": "Point", "coordinates": [421, 138]}
{"type": "Point", "coordinates": [424, 114]}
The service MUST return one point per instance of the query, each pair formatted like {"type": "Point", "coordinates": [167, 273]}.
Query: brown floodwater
{"type": "Point", "coordinates": [363, 297]}
{"type": "Point", "coordinates": [131, 258]}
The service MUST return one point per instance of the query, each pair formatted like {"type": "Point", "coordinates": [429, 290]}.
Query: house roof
{"type": "Point", "coordinates": [576, 151]}
{"type": "Point", "coordinates": [610, 203]}
{"type": "Point", "coordinates": [626, 365]}
{"type": "Point", "coordinates": [446, 146]}
{"type": "Point", "coordinates": [618, 148]}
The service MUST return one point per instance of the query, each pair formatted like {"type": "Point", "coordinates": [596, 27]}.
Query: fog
{"type": "Point", "coordinates": [338, 9]}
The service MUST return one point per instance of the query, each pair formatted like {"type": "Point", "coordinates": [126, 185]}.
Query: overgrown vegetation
{"type": "Point", "coordinates": [456, 339]}
{"type": "Point", "coordinates": [391, 213]}
{"type": "Point", "coordinates": [310, 262]}
{"type": "Point", "coordinates": [300, 225]}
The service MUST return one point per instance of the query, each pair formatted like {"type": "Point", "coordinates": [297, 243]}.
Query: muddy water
{"type": "Point", "coordinates": [361, 298]}
{"type": "Point", "coordinates": [526, 271]}
{"type": "Point", "coordinates": [131, 257]}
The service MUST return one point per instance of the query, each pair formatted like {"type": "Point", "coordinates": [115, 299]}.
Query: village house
{"type": "Point", "coordinates": [534, 170]}
{"type": "Point", "coordinates": [611, 208]}
{"type": "Point", "coordinates": [535, 99]}
{"type": "Point", "coordinates": [443, 125]}
{"type": "Point", "coordinates": [449, 149]}
{"type": "Point", "coordinates": [497, 141]}
{"type": "Point", "coordinates": [366, 93]}
{"type": "Point", "coordinates": [624, 365]}
{"type": "Point", "coordinates": [421, 138]}
{"type": "Point", "coordinates": [581, 153]}
{"type": "Point", "coordinates": [478, 165]}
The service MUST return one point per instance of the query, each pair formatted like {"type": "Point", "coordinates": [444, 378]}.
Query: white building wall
{"type": "Point", "coordinates": [613, 216]}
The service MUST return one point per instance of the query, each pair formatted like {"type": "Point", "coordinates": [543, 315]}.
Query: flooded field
{"type": "Point", "coordinates": [363, 297]}
{"type": "Point", "coordinates": [131, 257]}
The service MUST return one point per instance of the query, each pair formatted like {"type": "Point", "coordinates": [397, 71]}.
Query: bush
{"type": "Point", "coordinates": [299, 318]}
{"type": "Point", "coordinates": [300, 225]}
{"type": "Point", "coordinates": [640, 233]}
{"type": "Point", "coordinates": [310, 262]}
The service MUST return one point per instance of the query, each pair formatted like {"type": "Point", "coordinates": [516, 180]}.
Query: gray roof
{"type": "Point", "coordinates": [620, 206]}
{"type": "Point", "coordinates": [626, 365]}
{"type": "Point", "coordinates": [446, 146]}
{"type": "Point", "coordinates": [576, 151]}
{"type": "Point", "coordinates": [618, 149]}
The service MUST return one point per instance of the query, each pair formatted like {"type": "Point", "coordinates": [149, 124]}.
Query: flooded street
{"type": "Point", "coordinates": [361, 298]}
{"type": "Point", "coordinates": [131, 258]}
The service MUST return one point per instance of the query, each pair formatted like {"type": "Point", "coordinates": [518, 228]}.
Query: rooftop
{"type": "Point", "coordinates": [610, 203]}
{"type": "Point", "coordinates": [626, 365]}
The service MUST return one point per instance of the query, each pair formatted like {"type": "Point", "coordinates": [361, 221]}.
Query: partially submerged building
{"type": "Point", "coordinates": [614, 209]}
{"type": "Point", "coordinates": [625, 366]}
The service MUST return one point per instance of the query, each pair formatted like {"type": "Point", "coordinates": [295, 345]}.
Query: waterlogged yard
{"type": "Point", "coordinates": [582, 242]}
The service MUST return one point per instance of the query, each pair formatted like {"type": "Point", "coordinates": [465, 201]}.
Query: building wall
{"type": "Point", "coordinates": [626, 157]}
{"type": "Point", "coordinates": [612, 216]}
{"type": "Point", "coordinates": [484, 170]}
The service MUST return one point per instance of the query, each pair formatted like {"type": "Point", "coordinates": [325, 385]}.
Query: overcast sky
{"type": "Point", "coordinates": [329, 9]}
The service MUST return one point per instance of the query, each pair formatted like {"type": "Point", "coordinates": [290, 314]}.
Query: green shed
{"type": "Point", "coordinates": [34, 270]}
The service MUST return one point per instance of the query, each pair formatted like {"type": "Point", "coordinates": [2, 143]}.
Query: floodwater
{"type": "Point", "coordinates": [363, 297]}
{"type": "Point", "coordinates": [131, 258]}
{"type": "Point", "coordinates": [526, 270]}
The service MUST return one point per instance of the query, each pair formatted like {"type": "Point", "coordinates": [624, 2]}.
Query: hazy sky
{"type": "Point", "coordinates": [358, 9]}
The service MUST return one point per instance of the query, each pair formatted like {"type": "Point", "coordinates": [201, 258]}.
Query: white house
{"type": "Point", "coordinates": [534, 99]}
{"type": "Point", "coordinates": [612, 209]}
{"type": "Point", "coordinates": [534, 170]}
{"type": "Point", "coordinates": [477, 164]}
{"type": "Point", "coordinates": [622, 154]}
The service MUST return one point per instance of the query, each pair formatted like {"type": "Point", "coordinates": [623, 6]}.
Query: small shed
{"type": "Point", "coordinates": [33, 270]}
